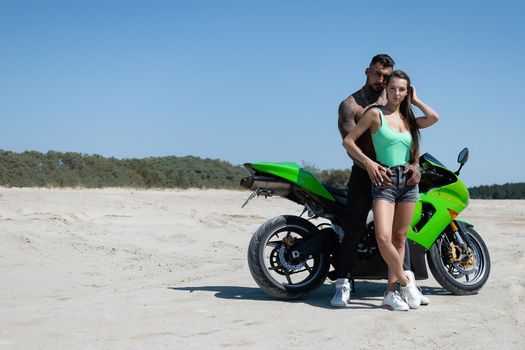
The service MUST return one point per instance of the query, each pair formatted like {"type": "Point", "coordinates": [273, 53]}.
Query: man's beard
{"type": "Point", "coordinates": [377, 87]}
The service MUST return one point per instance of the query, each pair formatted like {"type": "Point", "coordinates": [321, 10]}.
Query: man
{"type": "Point", "coordinates": [359, 185]}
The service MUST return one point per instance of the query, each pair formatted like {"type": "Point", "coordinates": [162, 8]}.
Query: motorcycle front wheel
{"type": "Point", "coordinates": [274, 263]}
{"type": "Point", "coordinates": [460, 276]}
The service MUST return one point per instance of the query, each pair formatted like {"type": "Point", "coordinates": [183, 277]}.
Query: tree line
{"type": "Point", "coordinates": [505, 191]}
{"type": "Point", "coordinates": [70, 169]}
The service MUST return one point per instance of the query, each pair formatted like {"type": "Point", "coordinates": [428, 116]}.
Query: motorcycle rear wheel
{"type": "Point", "coordinates": [272, 265]}
{"type": "Point", "coordinates": [452, 278]}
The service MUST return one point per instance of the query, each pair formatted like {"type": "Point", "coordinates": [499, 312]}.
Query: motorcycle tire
{"type": "Point", "coordinates": [447, 276]}
{"type": "Point", "coordinates": [269, 270]}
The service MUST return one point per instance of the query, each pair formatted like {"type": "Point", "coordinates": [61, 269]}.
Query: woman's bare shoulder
{"type": "Point", "coordinates": [371, 113]}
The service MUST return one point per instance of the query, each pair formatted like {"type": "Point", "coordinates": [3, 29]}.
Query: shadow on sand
{"type": "Point", "coordinates": [367, 294]}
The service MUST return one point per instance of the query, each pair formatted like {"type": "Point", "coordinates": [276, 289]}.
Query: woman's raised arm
{"type": "Point", "coordinates": [429, 118]}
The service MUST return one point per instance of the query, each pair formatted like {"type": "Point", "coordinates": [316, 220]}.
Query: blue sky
{"type": "Point", "coordinates": [250, 81]}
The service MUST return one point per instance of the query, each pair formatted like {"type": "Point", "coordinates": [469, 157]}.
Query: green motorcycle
{"type": "Point", "coordinates": [289, 255]}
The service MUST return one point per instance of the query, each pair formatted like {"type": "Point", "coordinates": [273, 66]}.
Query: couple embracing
{"type": "Point", "coordinates": [381, 135]}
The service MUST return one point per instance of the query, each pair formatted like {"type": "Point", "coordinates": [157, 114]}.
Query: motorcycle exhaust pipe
{"type": "Point", "coordinates": [267, 185]}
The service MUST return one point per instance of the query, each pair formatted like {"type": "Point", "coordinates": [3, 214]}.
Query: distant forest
{"type": "Point", "coordinates": [505, 191]}
{"type": "Point", "coordinates": [57, 169]}
{"type": "Point", "coordinates": [68, 169]}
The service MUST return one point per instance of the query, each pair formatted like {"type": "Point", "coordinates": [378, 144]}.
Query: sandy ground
{"type": "Point", "coordinates": [130, 269]}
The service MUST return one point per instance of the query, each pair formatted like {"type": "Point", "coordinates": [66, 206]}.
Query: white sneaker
{"type": "Point", "coordinates": [342, 293]}
{"type": "Point", "coordinates": [393, 301]}
{"type": "Point", "coordinates": [424, 299]}
{"type": "Point", "coordinates": [410, 293]}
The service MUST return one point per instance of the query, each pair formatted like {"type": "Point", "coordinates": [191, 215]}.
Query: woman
{"type": "Point", "coordinates": [395, 135]}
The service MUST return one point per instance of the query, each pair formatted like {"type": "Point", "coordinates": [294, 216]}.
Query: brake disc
{"type": "Point", "coordinates": [287, 264]}
{"type": "Point", "coordinates": [468, 264]}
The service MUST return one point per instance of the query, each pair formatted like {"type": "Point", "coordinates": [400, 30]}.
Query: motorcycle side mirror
{"type": "Point", "coordinates": [463, 156]}
{"type": "Point", "coordinates": [462, 159]}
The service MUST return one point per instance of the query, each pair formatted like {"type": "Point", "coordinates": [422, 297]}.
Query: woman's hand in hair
{"type": "Point", "coordinates": [413, 94]}
{"type": "Point", "coordinates": [430, 117]}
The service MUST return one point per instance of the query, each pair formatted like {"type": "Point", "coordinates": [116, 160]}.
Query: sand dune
{"type": "Point", "coordinates": [123, 268]}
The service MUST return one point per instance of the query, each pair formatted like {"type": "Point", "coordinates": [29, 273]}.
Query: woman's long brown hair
{"type": "Point", "coordinates": [407, 114]}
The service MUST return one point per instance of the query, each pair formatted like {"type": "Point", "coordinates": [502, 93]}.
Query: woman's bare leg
{"type": "Point", "coordinates": [402, 218]}
{"type": "Point", "coordinates": [383, 220]}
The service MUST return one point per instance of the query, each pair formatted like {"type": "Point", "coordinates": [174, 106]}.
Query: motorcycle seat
{"type": "Point", "coordinates": [339, 194]}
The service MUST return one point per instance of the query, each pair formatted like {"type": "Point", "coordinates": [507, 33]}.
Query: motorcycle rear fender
{"type": "Point", "coordinates": [293, 173]}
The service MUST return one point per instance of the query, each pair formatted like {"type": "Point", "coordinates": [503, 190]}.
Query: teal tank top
{"type": "Point", "coordinates": [392, 147]}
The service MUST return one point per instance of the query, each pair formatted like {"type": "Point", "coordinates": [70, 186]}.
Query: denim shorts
{"type": "Point", "coordinates": [399, 191]}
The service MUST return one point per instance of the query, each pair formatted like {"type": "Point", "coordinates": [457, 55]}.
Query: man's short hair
{"type": "Point", "coordinates": [384, 59]}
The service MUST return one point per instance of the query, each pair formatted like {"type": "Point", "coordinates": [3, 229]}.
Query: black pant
{"type": "Point", "coordinates": [359, 203]}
